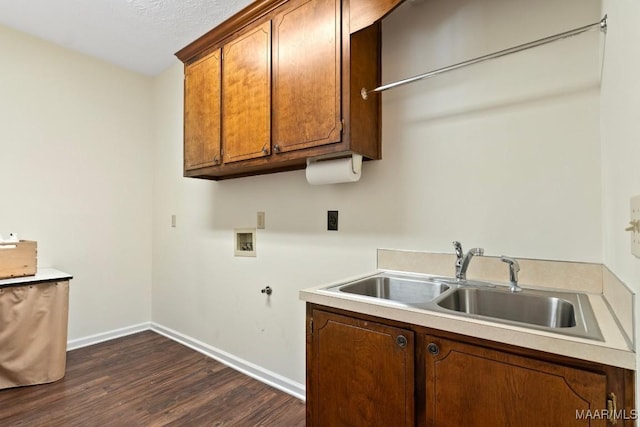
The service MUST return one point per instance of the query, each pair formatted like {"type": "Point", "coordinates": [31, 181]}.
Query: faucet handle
{"type": "Point", "coordinates": [514, 267]}
{"type": "Point", "coordinates": [513, 263]}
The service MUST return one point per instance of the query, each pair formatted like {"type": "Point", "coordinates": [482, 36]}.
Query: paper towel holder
{"type": "Point", "coordinates": [356, 161]}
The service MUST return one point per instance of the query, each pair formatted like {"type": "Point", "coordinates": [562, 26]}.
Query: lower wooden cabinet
{"type": "Point", "coordinates": [468, 385]}
{"type": "Point", "coordinates": [367, 371]}
{"type": "Point", "coordinates": [363, 373]}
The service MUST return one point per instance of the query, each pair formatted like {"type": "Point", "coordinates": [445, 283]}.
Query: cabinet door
{"type": "Point", "coordinates": [246, 95]}
{"type": "Point", "coordinates": [306, 68]}
{"type": "Point", "coordinates": [202, 112]}
{"type": "Point", "coordinates": [474, 386]}
{"type": "Point", "coordinates": [362, 373]}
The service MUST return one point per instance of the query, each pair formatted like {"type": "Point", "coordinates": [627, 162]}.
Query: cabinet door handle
{"type": "Point", "coordinates": [612, 408]}
{"type": "Point", "coordinates": [276, 148]}
{"type": "Point", "coordinates": [433, 348]}
{"type": "Point", "coordinates": [401, 340]}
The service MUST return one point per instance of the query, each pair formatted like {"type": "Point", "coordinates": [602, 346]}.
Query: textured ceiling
{"type": "Point", "coordinates": [141, 35]}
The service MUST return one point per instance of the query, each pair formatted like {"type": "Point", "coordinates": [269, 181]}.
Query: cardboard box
{"type": "Point", "coordinates": [18, 259]}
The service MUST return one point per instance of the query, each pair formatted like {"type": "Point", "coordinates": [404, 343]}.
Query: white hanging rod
{"type": "Point", "coordinates": [602, 25]}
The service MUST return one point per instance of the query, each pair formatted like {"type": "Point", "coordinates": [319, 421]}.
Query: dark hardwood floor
{"type": "Point", "coordinates": [148, 380]}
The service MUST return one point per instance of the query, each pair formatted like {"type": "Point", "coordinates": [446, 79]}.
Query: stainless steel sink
{"type": "Point", "coordinates": [395, 288]}
{"type": "Point", "coordinates": [568, 313]}
{"type": "Point", "coordinates": [538, 310]}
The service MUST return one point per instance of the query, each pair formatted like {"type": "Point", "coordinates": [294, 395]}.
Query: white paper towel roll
{"type": "Point", "coordinates": [334, 171]}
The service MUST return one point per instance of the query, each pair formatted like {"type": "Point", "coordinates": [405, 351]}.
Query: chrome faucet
{"type": "Point", "coordinates": [514, 267]}
{"type": "Point", "coordinates": [462, 260]}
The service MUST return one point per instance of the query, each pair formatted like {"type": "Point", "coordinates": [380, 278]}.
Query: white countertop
{"type": "Point", "coordinates": [614, 350]}
{"type": "Point", "coordinates": [42, 275]}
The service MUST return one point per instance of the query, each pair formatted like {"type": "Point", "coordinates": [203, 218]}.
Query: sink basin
{"type": "Point", "coordinates": [546, 311]}
{"type": "Point", "coordinates": [567, 313]}
{"type": "Point", "coordinates": [396, 288]}
{"type": "Point", "coordinates": [555, 311]}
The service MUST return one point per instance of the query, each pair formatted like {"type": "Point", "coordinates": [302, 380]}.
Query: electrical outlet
{"type": "Point", "coordinates": [332, 220]}
{"type": "Point", "coordinates": [634, 226]}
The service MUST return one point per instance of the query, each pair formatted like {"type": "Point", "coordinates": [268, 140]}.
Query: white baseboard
{"type": "Point", "coordinates": [270, 378]}
{"type": "Point", "coordinates": [106, 336]}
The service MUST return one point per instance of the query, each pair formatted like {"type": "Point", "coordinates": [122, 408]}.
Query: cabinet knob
{"type": "Point", "coordinates": [264, 150]}
{"type": "Point", "coordinates": [276, 148]}
{"type": "Point", "coordinates": [433, 348]}
{"type": "Point", "coordinates": [401, 340]}
{"type": "Point", "coordinates": [216, 160]}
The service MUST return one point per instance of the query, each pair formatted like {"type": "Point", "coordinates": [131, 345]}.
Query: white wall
{"type": "Point", "coordinates": [621, 138]}
{"type": "Point", "coordinates": [504, 155]}
{"type": "Point", "coordinates": [75, 175]}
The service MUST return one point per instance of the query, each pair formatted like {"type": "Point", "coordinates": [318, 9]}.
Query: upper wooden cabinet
{"type": "Point", "coordinates": [306, 75]}
{"type": "Point", "coordinates": [202, 112]}
{"type": "Point", "coordinates": [280, 82]}
{"type": "Point", "coordinates": [246, 95]}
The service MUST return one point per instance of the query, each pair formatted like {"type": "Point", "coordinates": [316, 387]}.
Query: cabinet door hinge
{"type": "Point", "coordinates": [341, 125]}
{"type": "Point", "coordinates": [311, 326]}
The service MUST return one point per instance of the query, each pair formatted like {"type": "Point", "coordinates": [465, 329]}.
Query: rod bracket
{"type": "Point", "coordinates": [603, 24]}
{"type": "Point", "coordinates": [364, 93]}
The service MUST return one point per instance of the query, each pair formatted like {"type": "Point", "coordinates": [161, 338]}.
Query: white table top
{"type": "Point", "coordinates": [42, 275]}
